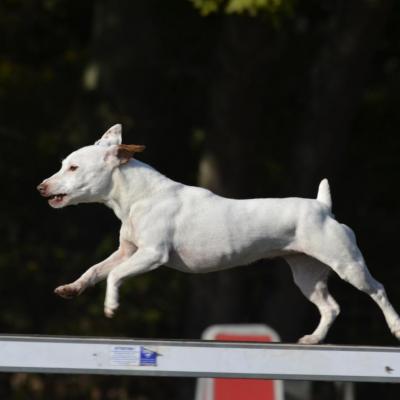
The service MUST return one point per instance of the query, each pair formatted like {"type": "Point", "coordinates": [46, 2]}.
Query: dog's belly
{"type": "Point", "coordinates": [220, 249]}
{"type": "Point", "coordinates": [191, 262]}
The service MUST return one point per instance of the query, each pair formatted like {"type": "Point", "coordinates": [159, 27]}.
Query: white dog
{"type": "Point", "coordinates": [193, 230]}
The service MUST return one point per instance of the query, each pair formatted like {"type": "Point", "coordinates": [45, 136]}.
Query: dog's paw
{"type": "Point", "coordinates": [110, 308]}
{"type": "Point", "coordinates": [109, 312]}
{"type": "Point", "coordinates": [396, 333]}
{"type": "Point", "coordinates": [68, 291]}
{"type": "Point", "coordinates": [309, 339]}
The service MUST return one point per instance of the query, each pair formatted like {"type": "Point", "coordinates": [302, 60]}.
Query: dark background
{"type": "Point", "coordinates": [250, 101]}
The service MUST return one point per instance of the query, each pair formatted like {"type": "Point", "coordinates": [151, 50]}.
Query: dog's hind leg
{"type": "Point", "coordinates": [311, 277]}
{"type": "Point", "coordinates": [336, 247]}
{"type": "Point", "coordinates": [358, 275]}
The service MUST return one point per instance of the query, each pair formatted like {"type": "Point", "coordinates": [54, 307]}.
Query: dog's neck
{"type": "Point", "coordinates": [131, 183]}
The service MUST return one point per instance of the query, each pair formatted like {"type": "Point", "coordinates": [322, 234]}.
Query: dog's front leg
{"type": "Point", "coordinates": [96, 273]}
{"type": "Point", "coordinates": [144, 260]}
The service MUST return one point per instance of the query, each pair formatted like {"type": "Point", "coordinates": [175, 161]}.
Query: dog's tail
{"type": "Point", "coordinates": [324, 193]}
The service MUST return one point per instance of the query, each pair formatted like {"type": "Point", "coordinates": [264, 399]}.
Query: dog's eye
{"type": "Point", "coordinates": [73, 168]}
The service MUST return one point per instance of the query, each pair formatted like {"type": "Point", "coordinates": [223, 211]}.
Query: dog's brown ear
{"type": "Point", "coordinates": [126, 151]}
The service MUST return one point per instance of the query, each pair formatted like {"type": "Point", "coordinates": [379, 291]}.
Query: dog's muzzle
{"type": "Point", "coordinates": [42, 188]}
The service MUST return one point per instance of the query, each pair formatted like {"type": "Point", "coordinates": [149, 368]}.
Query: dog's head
{"type": "Point", "coordinates": [85, 175]}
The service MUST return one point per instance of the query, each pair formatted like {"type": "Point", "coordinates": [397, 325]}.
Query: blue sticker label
{"type": "Point", "coordinates": [148, 357]}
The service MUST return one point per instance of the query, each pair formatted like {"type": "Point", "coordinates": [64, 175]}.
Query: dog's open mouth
{"type": "Point", "coordinates": [56, 199]}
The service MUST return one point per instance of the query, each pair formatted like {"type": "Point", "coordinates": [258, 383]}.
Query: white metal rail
{"type": "Point", "coordinates": [71, 355]}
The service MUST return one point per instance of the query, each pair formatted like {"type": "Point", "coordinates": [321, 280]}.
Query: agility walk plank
{"type": "Point", "coordinates": [70, 355]}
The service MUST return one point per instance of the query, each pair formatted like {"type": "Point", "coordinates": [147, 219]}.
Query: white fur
{"type": "Point", "coordinates": [193, 230]}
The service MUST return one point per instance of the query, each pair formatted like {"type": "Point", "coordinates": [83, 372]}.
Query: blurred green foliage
{"type": "Point", "coordinates": [251, 7]}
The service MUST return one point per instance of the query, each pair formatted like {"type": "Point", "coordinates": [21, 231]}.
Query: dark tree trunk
{"type": "Point", "coordinates": [147, 77]}
{"type": "Point", "coordinates": [348, 39]}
